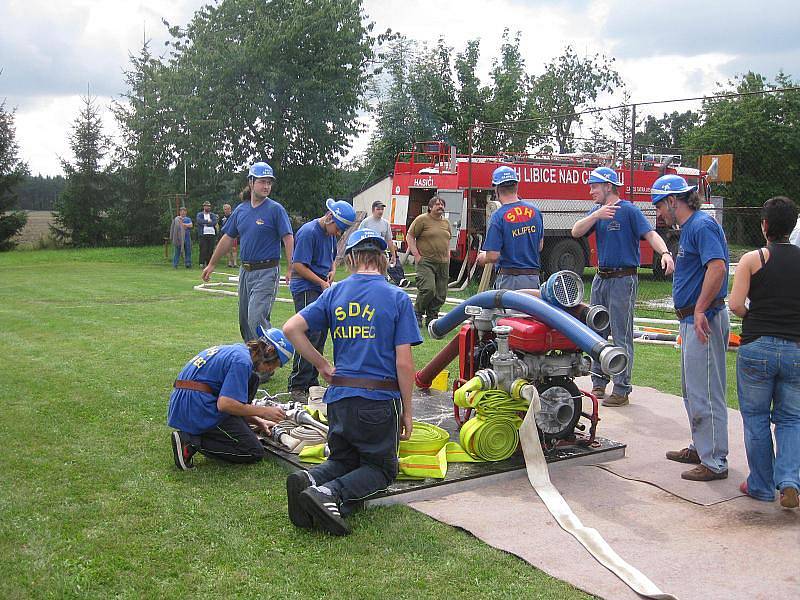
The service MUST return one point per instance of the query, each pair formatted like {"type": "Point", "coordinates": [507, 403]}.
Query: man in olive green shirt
{"type": "Point", "coordinates": [428, 240]}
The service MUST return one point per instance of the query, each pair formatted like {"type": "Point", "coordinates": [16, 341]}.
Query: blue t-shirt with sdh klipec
{"type": "Point", "coordinates": [226, 369]}
{"type": "Point", "coordinates": [259, 230]}
{"type": "Point", "coordinates": [702, 240]}
{"type": "Point", "coordinates": [618, 238]}
{"type": "Point", "coordinates": [515, 231]}
{"type": "Point", "coordinates": [367, 319]}
{"type": "Point", "coordinates": [314, 248]}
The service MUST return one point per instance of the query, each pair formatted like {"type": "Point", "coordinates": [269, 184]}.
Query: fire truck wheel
{"type": "Point", "coordinates": [558, 395]}
{"type": "Point", "coordinates": [564, 255]}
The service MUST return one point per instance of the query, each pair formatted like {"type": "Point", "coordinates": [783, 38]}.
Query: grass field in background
{"type": "Point", "coordinates": [92, 505]}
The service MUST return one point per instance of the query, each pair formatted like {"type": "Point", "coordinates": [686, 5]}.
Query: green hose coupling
{"type": "Point", "coordinates": [461, 397]}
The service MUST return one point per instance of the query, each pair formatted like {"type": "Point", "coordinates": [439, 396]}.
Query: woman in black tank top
{"type": "Point", "coordinates": [768, 365]}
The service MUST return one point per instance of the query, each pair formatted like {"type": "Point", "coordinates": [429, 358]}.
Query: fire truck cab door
{"type": "Point", "coordinates": [453, 212]}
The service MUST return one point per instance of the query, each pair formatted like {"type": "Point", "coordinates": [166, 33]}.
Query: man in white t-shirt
{"type": "Point", "coordinates": [794, 237]}
{"type": "Point", "coordinates": [377, 223]}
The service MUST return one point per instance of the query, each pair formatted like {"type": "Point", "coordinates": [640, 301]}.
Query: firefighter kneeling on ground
{"type": "Point", "coordinates": [210, 405]}
{"type": "Point", "coordinates": [373, 327]}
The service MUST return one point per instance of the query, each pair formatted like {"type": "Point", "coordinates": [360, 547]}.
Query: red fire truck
{"type": "Point", "coordinates": [556, 184]}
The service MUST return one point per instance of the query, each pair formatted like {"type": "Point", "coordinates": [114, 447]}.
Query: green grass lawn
{"type": "Point", "coordinates": [91, 503]}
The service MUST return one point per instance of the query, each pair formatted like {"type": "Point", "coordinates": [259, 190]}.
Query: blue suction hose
{"type": "Point", "coordinates": [612, 359]}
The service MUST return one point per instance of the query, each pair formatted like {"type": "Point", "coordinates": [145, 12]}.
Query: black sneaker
{"type": "Point", "coordinates": [295, 484]}
{"type": "Point", "coordinates": [324, 511]}
{"type": "Point", "coordinates": [182, 451]}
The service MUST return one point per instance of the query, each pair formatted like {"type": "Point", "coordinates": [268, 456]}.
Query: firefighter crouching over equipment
{"type": "Point", "coordinates": [372, 326]}
{"type": "Point", "coordinates": [619, 225]}
{"type": "Point", "coordinates": [210, 405]}
{"type": "Point", "coordinates": [514, 237]}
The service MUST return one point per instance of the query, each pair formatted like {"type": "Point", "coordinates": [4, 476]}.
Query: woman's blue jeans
{"type": "Point", "coordinates": [768, 379]}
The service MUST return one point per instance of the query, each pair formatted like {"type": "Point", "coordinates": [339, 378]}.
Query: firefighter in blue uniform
{"type": "Point", "coordinates": [373, 327]}
{"type": "Point", "coordinates": [619, 225]}
{"type": "Point", "coordinates": [312, 273]}
{"type": "Point", "coordinates": [210, 405]}
{"type": "Point", "coordinates": [699, 288]}
{"type": "Point", "coordinates": [514, 237]}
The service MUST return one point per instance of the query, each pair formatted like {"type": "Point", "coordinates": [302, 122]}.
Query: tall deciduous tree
{"type": "Point", "coordinates": [81, 217]}
{"type": "Point", "coordinates": [667, 133]}
{"type": "Point", "coordinates": [568, 85]}
{"type": "Point", "coordinates": [12, 170]}
{"type": "Point", "coordinates": [279, 80]}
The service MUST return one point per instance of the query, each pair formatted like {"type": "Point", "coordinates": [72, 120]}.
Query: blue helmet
{"type": "Point", "coordinates": [278, 341]}
{"type": "Point", "coordinates": [667, 185]}
{"type": "Point", "coordinates": [604, 175]}
{"type": "Point", "coordinates": [365, 239]}
{"type": "Point", "coordinates": [344, 215]}
{"type": "Point", "coordinates": [503, 175]}
{"type": "Point", "coordinates": [260, 170]}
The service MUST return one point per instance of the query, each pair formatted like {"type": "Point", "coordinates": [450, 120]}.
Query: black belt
{"type": "Point", "coordinates": [688, 311]}
{"type": "Point", "coordinates": [255, 266]}
{"type": "Point", "coordinates": [513, 271]}
{"type": "Point", "coordinates": [366, 383]}
{"type": "Point", "coordinates": [186, 384]}
{"type": "Point", "coordinates": [612, 273]}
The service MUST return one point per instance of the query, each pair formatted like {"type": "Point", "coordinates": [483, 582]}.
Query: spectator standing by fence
{"type": "Point", "coordinates": [181, 238]}
{"type": "Point", "coordinates": [699, 288]}
{"type": "Point", "coordinates": [768, 363]}
{"type": "Point", "coordinates": [226, 213]}
{"type": "Point", "coordinates": [206, 232]}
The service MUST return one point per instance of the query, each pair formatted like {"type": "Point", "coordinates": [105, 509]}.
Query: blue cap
{"type": "Point", "coordinates": [367, 239]}
{"type": "Point", "coordinates": [344, 215]}
{"type": "Point", "coordinates": [278, 340]}
{"type": "Point", "coordinates": [667, 185]}
{"type": "Point", "coordinates": [503, 175]}
{"type": "Point", "coordinates": [260, 170]}
{"type": "Point", "coordinates": [604, 175]}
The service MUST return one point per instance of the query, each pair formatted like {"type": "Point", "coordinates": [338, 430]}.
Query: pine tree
{"type": "Point", "coordinates": [12, 171]}
{"type": "Point", "coordinates": [82, 210]}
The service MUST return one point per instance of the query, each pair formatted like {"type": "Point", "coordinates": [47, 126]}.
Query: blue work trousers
{"type": "Point", "coordinates": [768, 379]}
{"type": "Point", "coordinates": [304, 374]}
{"type": "Point", "coordinates": [257, 292]}
{"type": "Point", "coordinates": [516, 282]}
{"type": "Point", "coordinates": [618, 295]}
{"type": "Point", "coordinates": [363, 437]}
{"type": "Point", "coordinates": [703, 383]}
{"type": "Point", "coordinates": [187, 252]}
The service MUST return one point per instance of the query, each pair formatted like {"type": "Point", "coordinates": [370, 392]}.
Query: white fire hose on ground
{"type": "Point", "coordinates": [589, 538]}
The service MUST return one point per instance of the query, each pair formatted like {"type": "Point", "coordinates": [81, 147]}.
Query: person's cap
{"type": "Point", "coordinates": [604, 175]}
{"type": "Point", "coordinates": [344, 215]}
{"type": "Point", "coordinates": [365, 239]}
{"type": "Point", "coordinates": [667, 185]}
{"type": "Point", "coordinates": [206, 203]}
{"type": "Point", "coordinates": [504, 176]}
{"type": "Point", "coordinates": [260, 170]}
{"type": "Point", "coordinates": [278, 340]}
{"type": "Point", "coordinates": [378, 204]}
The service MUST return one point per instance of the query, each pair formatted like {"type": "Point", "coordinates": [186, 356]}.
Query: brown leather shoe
{"type": "Point", "coordinates": [599, 392]}
{"type": "Point", "coordinates": [616, 400]}
{"type": "Point", "coordinates": [789, 498]}
{"type": "Point", "coordinates": [703, 473]}
{"type": "Point", "coordinates": [687, 455]}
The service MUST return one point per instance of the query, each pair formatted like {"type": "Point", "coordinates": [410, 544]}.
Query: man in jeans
{"type": "Point", "coordinates": [206, 232]}
{"type": "Point", "coordinates": [313, 272]}
{"type": "Point", "coordinates": [261, 225]}
{"type": "Point", "coordinates": [428, 240]}
{"type": "Point", "coordinates": [699, 288]}
{"type": "Point", "coordinates": [619, 225]}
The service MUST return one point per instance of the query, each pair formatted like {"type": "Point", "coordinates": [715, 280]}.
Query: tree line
{"type": "Point", "coordinates": [225, 93]}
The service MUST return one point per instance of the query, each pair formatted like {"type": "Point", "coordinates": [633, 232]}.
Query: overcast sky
{"type": "Point", "coordinates": [51, 51]}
